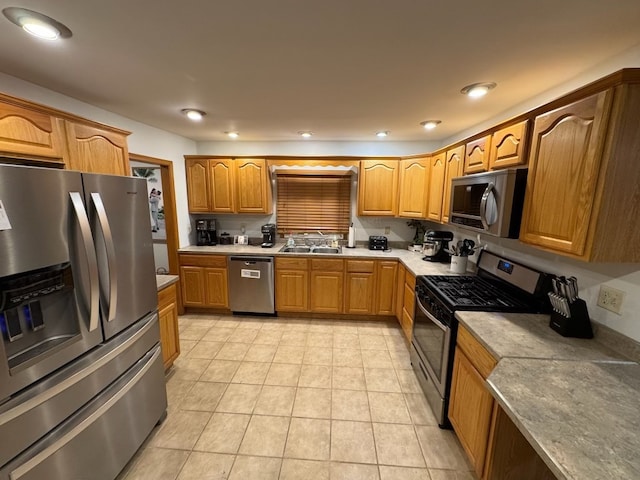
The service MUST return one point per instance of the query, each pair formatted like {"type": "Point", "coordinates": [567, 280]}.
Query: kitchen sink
{"type": "Point", "coordinates": [296, 249]}
{"type": "Point", "coordinates": [326, 250]}
{"type": "Point", "coordinates": [306, 249]}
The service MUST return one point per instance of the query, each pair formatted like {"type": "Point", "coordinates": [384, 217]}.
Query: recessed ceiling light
{"type": "Point", "coordinates": [382, 134]}
{"type": "Point", "coordinates": [430, 124]}
{"type": "Point", "coordinates": [305, 134]}
{"type": "Point", "coordinates": [193, 114]}
{"type": "Point", "coordinates": [37, 24]}
{"type": "Point", "coordinates": [232, 134]}
{"type": "Point", "coordinates": [477, 90]}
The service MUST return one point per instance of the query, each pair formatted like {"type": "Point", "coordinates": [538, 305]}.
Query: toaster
{"type": "Point", "coordinates": [377, 243]}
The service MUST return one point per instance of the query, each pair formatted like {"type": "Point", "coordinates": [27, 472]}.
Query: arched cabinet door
{"type": "Point", "coordinates": [253, 188]}
{"type": "Point", "coordinates": [378, 187]}
{"type": "Point", "coordinates": [32, 134]}
{"type": "Point", "coordinates": [414, 187]}
{"type": "Point", "coordinates": [566, 152]}
{"type": "Point", "coordinates": [197, 173]}
{"type": "Point", "coordinates": [453, 168]}
{"type": "Point", "coordinates": [92, 149]}
{"type": "Point", "coordinates": [436, 187]}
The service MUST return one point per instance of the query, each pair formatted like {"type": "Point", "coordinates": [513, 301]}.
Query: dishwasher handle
{"type": "Point", "coordinates": [251, 260]}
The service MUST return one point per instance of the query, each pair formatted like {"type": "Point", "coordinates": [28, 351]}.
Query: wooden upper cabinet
{"type": "Point", "coordinates": [454, 168]}
{"type": "Point", "coordinates": [28, 133]}
{"type": "Point", "coordinates": [509, 146]}
{"type": "Point", "coordinates": [253, 187]}
{"type": "Point", "coordinates": [221, 183]}
{"type": "Point", "coordinates": [96, 150]}
{"type": "Point", "coordinates": [378, 187]}
{"type": "Point", "coordinates": [197, 172]}
{"type": "Point", "coordinates": [476, 158]}
{"type": "Point", "coordinates": [564, 166]}
{"type": "Point", "coordinates": [414, 187]}
{"type": "Point", "coordinates": [436, 187]}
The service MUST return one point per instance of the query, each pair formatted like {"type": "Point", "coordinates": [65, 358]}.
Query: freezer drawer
{"type": "Point", "coordinates": [39, 409]}
{"type": "Point", "coordinates": [251, 285]}
{"type": "Point", "coordinates": [98, 441]}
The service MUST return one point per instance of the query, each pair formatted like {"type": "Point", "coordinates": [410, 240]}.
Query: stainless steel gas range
{"type": "Point", "coordinates": [501, 285]}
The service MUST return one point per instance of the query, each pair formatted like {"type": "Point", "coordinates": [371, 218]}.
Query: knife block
{"type": "Point", "coordinates": [577, 324]}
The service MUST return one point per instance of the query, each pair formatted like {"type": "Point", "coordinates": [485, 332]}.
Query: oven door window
{"type": "Point", "coordinates": [432, 337]}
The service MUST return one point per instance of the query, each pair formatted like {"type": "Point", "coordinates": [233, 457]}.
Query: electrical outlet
{"type": "Point", "coordinates": [610, 298]}
{"type": "Point", "coordinates": [387, 230]}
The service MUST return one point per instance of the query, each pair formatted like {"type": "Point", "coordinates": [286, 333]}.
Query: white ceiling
{"type": "Point", "coordinates": [343, 69]}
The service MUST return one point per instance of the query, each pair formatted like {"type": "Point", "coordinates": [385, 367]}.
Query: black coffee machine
{"type": "Point", "coordinates": [435, 246]}
{"type": "Point", "coordinates": [268, 235]}
{"type": "Point", "coordinates": [206, 232]}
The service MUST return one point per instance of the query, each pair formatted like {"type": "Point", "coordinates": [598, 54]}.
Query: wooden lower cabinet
{"type": "Point", "coordinates": [510, 456]}
{"type": "Point", "coordinates": [495, 447]}
{"type": "Point", "coordinates": [168, 320]}
{"type": "Point", "coordinates": [292, 284]}
{"type": "Point", "coordinates": [470, 410]}
{"type": "Point", "coordinates": [326, 291]}
{"type": "Point", "coordinates": [385, 296]}
{"type": "Point", "coordinates": [360, 285]}
{"type": "Point", "coordinates": [203, 281]}
{"type": "Point", "coordinates": [408, 304]}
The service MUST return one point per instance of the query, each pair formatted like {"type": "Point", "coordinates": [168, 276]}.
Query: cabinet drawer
{"type": "Point", "coordinates": [363, 266]}
{"type": "Point", "coordinates": [326, 264]}
{"type": "Point", "coordinates": [481, 359]}
{"type": "Point", "coordinates": [298, 263]}
{"type": "Point", "coordinates": [410, 279]}
{"type": "Point", "coordinates": [167, 296]}
{"type": "Point", "coordinates": [219, 261]}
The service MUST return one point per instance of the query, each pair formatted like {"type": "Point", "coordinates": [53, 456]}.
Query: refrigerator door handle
{"type": "Point", "coordinates": [92, 261]}
{"type": "Point", "coordinates": [111, 255]}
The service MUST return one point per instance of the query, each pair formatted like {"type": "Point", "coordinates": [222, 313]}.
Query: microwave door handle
{"type": "Point", "coordinates": [111, 254]}
{"type": "Point", "coordinates": [483, 205]}
{"type": "Point", "coordinates": [92, 261]}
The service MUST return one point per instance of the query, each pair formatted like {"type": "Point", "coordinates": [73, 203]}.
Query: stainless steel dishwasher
{"type": "Point", "coordinates": [251, 287]}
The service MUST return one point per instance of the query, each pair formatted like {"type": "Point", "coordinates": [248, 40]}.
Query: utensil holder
{"type": "Point", "coordinates": [576, 324]}
{"type": "Point", "coordinates": [458, 264]}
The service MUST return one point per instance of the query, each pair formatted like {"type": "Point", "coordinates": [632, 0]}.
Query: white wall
{"type": "Point", "coordinates": [144, 140]}
{"type": "Point", "coordinates": [627, 59]}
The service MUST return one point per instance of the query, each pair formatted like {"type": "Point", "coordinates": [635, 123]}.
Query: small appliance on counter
{"type": "Point", "coordinates": [213, 231]}
{"type": "Point", "coordinates": [206, 232]}
{"type": "Point", "coordinates": [202, 233]}
{"type": "Point", "coordinates": [226, 239]}
{"type": "Point", "coordinates": [435, 246]}
{"type": "Point", "coordinates": [268, 235]}
{"type": "Point", "coordinates": [378, 243]}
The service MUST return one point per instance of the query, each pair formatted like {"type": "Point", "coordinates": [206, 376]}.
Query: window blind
{"type": "Point", "coordinates": [307, 203]}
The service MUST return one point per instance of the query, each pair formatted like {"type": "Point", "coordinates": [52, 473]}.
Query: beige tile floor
{"type": "Point", "coordinates": [273, 398]}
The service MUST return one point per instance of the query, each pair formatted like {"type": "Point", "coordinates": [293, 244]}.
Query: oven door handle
{"type": "Point", "coordinates": [442, 326]}
{"type": "Point", "coordinates": [483, 205]}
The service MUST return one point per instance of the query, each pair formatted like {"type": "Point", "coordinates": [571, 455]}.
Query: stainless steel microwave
{"type": "Point", "coordinates": [489, 202]}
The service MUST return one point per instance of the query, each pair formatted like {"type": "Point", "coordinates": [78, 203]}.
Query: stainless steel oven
{"type": "Point", "coordinates": [501, 285]}
{"type": "Point", "coordinates": [431, 350]}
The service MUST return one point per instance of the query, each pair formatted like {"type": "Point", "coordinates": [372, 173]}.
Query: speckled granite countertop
{"type": "Point", "coordinates": [583, 418]}
{"type": "Point", "coordinates": [163, 281]}
{"type": "Point", "coordinates": [575, 400]}
{"type": "Point", "coordinates": [412, 260]}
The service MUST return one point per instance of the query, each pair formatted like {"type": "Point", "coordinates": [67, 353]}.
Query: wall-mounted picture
{"type": "Point", "coordinates": [156, 204]}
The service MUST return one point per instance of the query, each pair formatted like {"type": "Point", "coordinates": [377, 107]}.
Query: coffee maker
{"type": "Point", "coordinates": [202, 232]}
{"type": "Point", "coordinates": [213, 231]}
{"type": "Point", "coordinates": [268, 235]}
{"type": "Point", "coordinates": [435, 246]}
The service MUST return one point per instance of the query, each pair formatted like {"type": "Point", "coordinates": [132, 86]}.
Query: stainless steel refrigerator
{"type": "Point", "coordinates": [81, 375]}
